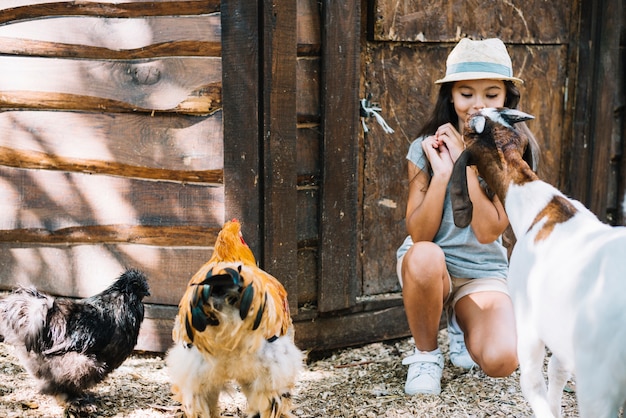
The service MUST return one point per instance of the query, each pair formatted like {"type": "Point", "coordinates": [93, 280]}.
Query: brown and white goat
{"type": "Point", "coordinates": [567, 275]}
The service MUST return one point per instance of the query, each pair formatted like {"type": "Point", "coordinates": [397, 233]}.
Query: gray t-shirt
{"type": "Point", "coordinates": [465, 256]}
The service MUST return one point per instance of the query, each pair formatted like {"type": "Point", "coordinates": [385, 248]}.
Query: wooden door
{"type": "Point", "coordinates": [407, 45]}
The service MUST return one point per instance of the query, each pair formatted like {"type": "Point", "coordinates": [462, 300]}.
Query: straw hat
{"type": "Point", "coordinates": [487, 59]}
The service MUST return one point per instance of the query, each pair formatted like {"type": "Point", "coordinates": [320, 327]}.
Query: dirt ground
{"type": "Point", "coordinates": [363, 382]}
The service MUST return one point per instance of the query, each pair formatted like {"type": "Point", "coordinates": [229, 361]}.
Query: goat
{"type": "Point", "coordinates": [567, 272]}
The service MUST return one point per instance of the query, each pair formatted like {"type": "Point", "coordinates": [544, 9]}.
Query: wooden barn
{"type": "Point", "coordinates": [131, 130]}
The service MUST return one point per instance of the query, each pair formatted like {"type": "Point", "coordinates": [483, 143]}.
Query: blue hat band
{"type": "Point", "coordinates": [480, 67]}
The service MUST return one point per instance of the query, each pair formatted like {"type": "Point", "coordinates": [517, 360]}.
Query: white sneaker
{"type": "Point", "coordinates": [424, 374]}
{"type": "Point", "coordinates": [459, 356]}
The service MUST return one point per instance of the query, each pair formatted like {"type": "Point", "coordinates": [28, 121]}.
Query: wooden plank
{"type": "Point", "coordinates": [155, 334]}
{"type": "Point", "coordinates": [36, 199]}
{"type": "Point", "coordinates": [134, 234]}
{"type": "Point", "coordinates": [100, 38]}
{"type": "Point", "coordinates": [241, 110]}
{"type": "Point", "coordinates": [352, 329]}
{"type": "Point", "coordinates": [202, 102]}
{"type": "Point", "coordinates": [532, 21]}
{"type": "Point", "coordinates": [308, 72]}
{"type": "Point", "coordinates": [307, 277]}
{"type": "Point", "coordinates": [279, 144]}
{"type": "Point", "coordinates": [27, 47]}
{"type": "Point", "coordinates": [307, 213]}
{"type": "Point", "coordinates": [572, 92]}
{"type": "Point", "coordinates": [308, 156]}
{"type": "Point", "coordinates": [84, 270]}
{"type": "Point", "coordinates": [36, 160]}
{"type": "Point", "coordinates": [160, 84]}
{"type": "Point", "coordinates": [17, 3]}
{"type": "Point", "coordinates": [112, 34]}
{"type": "Point", "coordinates": [309, 27]}
{"type": "Point", "coordinates": [378, 323]}
{"type": "Point", "coordinates": [606, 147]}
{"type": "Point", "coordinates": [176, 147]}
{"type": "Point", "coordinates": [621, 102]}
{"type": "Point", "coordinates": [31, 10]}
{"type": "Point", "coordinates": [339, 195]}
{"type": "Point", "coordinates": [578, 180]}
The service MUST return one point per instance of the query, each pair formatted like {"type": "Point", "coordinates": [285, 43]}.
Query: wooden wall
{"type": "Point", "coordinates": [130, 131]}
{"type": "Point", "coordinates": [111, 144]}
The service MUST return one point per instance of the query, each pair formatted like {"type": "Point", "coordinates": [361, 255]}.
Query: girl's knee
{"type": "Point", "coordinates": [423, 259]}
{"type": "Point", "coordinates": [498, 361]}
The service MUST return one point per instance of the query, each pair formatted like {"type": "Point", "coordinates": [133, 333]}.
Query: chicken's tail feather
{"type": "Point", "coordinates": [266, 303]}
{"type": "Point", "coordinates": [23, 316]}
{"type": "Point", "coordinates": [259, 300]}
{"type": "Point", "coordinates": [247, 299]}
{"type": "Point", "coordinates": [259, 314]}
{"type": "Point", "coordinates": [213, 284]}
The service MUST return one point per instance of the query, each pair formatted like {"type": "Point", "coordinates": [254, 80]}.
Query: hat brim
{"type": "Point", "coordinates": [477, 76]}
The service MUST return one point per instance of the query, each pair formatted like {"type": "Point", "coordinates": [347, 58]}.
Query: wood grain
{"type": "Point", "coordinates": [55, 200]}
{"type": "Point", "coordinates": [242, 113]}
{"type": "Point", "coordinates": [533, 21]}
{"type": "Point", "coordinates": [26, 47]}
{"type": "Point", "coordinates": [279, 145]}
{"type": "Point", "coordinates": [102, 9]}
{"type": "Point", "coordinates": [111, 33]}
{"type": "Point", "coordinates": [164, 142]}
{"type": "Point", "coordinates": [339, 188]}
{"type": "Point", "coordinates": [85, 269]}
{"type": "Point", "coordinates": [188, 85]}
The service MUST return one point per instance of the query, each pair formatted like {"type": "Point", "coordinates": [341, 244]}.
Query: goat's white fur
{"type": "Point", "coordinates": [569, 293]}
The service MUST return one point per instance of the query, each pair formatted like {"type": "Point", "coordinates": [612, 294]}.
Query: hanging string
{"type": "Point", "coordinates": [368, 110]}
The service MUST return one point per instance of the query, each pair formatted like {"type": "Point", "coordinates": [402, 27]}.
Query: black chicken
{"type": "Point", "coordinates": [70, 345]}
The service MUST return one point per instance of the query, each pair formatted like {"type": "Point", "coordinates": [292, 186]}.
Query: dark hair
{"type": "Point", "coordinates": [444, 108]}
{"type": "Point", "coordinates": [444, 113]}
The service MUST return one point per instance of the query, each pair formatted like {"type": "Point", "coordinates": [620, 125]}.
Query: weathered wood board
{"type": "Point", "coordinates": [175, 143]}
{"type": "Point", "coordinates": [517, 21]}
{"type": "Point", "coordinates": [55, 200]}
{"type": "Point", "coordinates": [112, 33]}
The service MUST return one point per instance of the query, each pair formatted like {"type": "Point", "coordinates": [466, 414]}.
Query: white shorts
{"type": "Point", "coordinates": [462, 287]}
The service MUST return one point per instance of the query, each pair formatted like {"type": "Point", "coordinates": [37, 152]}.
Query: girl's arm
{"type": "Point", "coordinates": [489, 219]}
{"type": "Point", "coordinates": [424, 207]}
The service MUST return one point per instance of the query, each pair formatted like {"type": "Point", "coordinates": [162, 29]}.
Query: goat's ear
{"type": "Point", "coordinates": [529, 158]}
{"type": "Point", "coordinates": [513, 116]}
{"type": "Point", "coordinates": [459, 195]}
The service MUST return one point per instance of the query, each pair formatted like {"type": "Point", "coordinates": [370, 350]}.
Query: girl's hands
{"type": "Point", "coordinates": [453, 140]}
{"type": "Point", "coordinates": [438, 155]}
{"type": "Point", "coordinates": [443, 149]}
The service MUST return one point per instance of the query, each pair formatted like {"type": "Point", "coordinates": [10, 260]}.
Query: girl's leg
{"type": "Point", "coordinates": [425, 286]}
{"type": "Point", "coordinates": [488, 321]}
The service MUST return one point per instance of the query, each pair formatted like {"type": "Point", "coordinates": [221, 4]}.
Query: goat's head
{"type": "Point", "coordinates": [493, 145]}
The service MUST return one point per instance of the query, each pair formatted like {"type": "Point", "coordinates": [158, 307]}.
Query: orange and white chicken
{"type": "Point", "coordinates": [233, 324]}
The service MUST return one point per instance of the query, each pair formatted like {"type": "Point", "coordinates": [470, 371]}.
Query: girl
{"type": "Point", "coordinates": [442, 266]}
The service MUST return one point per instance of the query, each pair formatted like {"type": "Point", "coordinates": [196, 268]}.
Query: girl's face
{"type": "Point", "coordinates": [470, 96]}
